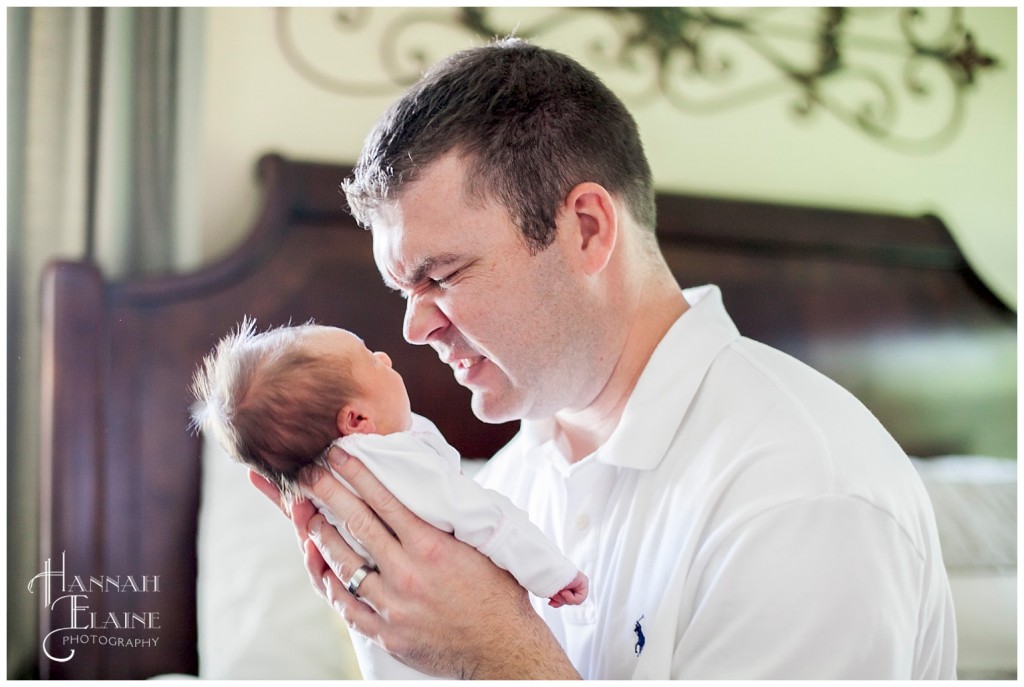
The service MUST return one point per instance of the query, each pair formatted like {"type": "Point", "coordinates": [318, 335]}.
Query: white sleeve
{"type": "Point", "coordinates": [823, 588]}
{"type": "Point", "coordinates": [423, 473]}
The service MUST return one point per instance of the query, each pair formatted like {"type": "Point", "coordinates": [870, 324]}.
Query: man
{"type": "Point", "coordinates": [738, 514]}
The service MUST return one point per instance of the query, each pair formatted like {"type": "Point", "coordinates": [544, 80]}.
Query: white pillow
{"type": "Point", "coordinates": [975, 502]}
{"type": "Point", "coordinates": [258, 614]}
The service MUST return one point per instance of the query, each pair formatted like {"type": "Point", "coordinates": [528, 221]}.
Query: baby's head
{"type": "Point", "coordinates": [276, 400]}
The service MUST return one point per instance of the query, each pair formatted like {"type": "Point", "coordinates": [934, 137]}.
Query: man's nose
{"type": "Point", "coordinates": [423, 319]}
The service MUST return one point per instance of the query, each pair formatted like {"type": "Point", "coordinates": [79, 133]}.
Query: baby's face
{"type": "Point", "coordinates": [385, 394]}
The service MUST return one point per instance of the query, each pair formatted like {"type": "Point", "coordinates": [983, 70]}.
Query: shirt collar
{"type": "Point", "coordinates": [664, 391]}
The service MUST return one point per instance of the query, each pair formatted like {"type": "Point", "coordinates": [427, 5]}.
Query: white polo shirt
{"type": "Point", "coordinates": [748, 518]}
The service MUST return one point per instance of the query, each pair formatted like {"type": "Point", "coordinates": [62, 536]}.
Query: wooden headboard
{"type": "Point", "coordinates": [857, 295]}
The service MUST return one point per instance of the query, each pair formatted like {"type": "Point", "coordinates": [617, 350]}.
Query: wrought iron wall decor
{"type": "Point", "coordinates": [693, 58]}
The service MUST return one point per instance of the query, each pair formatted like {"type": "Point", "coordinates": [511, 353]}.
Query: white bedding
{"type": "Point", "coordinates": [258, 614]}
{"type": "Point", "coordinates": [975, 501]}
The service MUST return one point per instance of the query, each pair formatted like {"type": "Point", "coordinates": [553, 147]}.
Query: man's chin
{"type": "Point", "coordinates": [490, 411]}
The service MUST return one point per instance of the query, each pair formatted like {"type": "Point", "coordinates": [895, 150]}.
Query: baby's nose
{"type": "Point", "coordinates": [384, 357]}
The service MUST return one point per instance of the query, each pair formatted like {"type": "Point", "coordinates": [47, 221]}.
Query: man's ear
{"type": "Point", "coordinates": [593, 218]}
{"type": "Point", "coordinates": [352, 420]}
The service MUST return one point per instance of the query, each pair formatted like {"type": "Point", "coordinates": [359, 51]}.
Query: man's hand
{"type": "Point", "coordinates": [436, 603]}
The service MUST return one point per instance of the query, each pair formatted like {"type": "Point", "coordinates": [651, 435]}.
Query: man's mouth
{"type": "Point", "coordinates": [465, 363]}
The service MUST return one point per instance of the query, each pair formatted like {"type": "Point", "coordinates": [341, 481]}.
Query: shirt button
{"type": "Point", "coordinates": [582, 521]}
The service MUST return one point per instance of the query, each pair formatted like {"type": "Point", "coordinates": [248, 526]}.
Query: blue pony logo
{"type": "Point", "coordinates": [638, 649]}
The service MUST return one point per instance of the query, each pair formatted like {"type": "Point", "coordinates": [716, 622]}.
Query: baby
{"type": "Point", "coordinates": [278, 400]}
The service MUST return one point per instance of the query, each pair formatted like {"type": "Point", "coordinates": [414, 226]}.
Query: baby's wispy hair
{"type": "Point", "coordinates": [271, 403]}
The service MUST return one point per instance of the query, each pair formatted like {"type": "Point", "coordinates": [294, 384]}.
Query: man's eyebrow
{"type": "Point", "coordinates": [421, 270]}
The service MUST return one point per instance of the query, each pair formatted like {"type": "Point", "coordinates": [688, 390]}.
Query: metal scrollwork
{"type": "Point", "coordinates": [704, 61]}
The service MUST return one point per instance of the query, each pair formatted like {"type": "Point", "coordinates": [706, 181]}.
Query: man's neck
{"type": "Point", "coordinates": [579, 433]}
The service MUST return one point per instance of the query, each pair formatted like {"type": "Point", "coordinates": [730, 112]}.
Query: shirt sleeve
{"type": "Point", "coordinates": [822, 588]}
{"type": "Point", "coordinates": [423, 473]}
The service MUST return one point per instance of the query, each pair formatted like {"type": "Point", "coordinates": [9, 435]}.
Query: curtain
{"type": "Point", "coordinates": [102, 108]}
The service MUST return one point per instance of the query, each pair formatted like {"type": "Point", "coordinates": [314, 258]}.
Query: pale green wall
{"type": "Point", "coordinates": [255, 102]}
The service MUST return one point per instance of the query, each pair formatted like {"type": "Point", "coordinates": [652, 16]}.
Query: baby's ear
{"type": "Point", "coordinates": [351, 420]}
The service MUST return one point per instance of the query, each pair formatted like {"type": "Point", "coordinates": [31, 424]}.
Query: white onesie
{"type": "Point", "coordinates": [423, 472]}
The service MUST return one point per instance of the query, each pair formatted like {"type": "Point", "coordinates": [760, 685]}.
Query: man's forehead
{"type": "Point", "coordinates": [429, 225]}
{"type": "Point", "coordinates": [406, 255]}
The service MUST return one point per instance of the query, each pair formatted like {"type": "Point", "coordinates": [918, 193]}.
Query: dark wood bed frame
{"type": "Point", "coordinates": [121, 472]}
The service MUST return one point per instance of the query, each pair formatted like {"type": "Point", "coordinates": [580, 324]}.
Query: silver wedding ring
{"type": "Point", "coordinates": [357, 579]}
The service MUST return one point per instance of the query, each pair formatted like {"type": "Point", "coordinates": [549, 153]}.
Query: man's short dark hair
{"type": "Point", "coordinates": [532, 124]}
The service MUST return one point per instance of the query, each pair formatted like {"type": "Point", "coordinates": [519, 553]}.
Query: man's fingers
{"type": "Point", "coordinates": [356, 614]}
{"type": "Point", "coordinates": [316, 566]}
{"type": "Point", "coordinates": [356, 515]}
{"type": "Point", "coordinates": [302, 513]}
{"type": "Point", "coordinates": [339, 564]}
{"type": "Point", "coordinates": [299, 511]}
{"type": "Point", "coordinates": [267, 489]}
{"type": "Point", "coordinates": [327, 557]}
{"type": "Point", "coordinates": [337, 555]}
{"type": "Point", "coordinates": [391, 511]}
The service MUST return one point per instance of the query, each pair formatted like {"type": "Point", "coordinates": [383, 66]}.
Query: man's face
{"type": "Point", "coordinates": [509, 323]}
